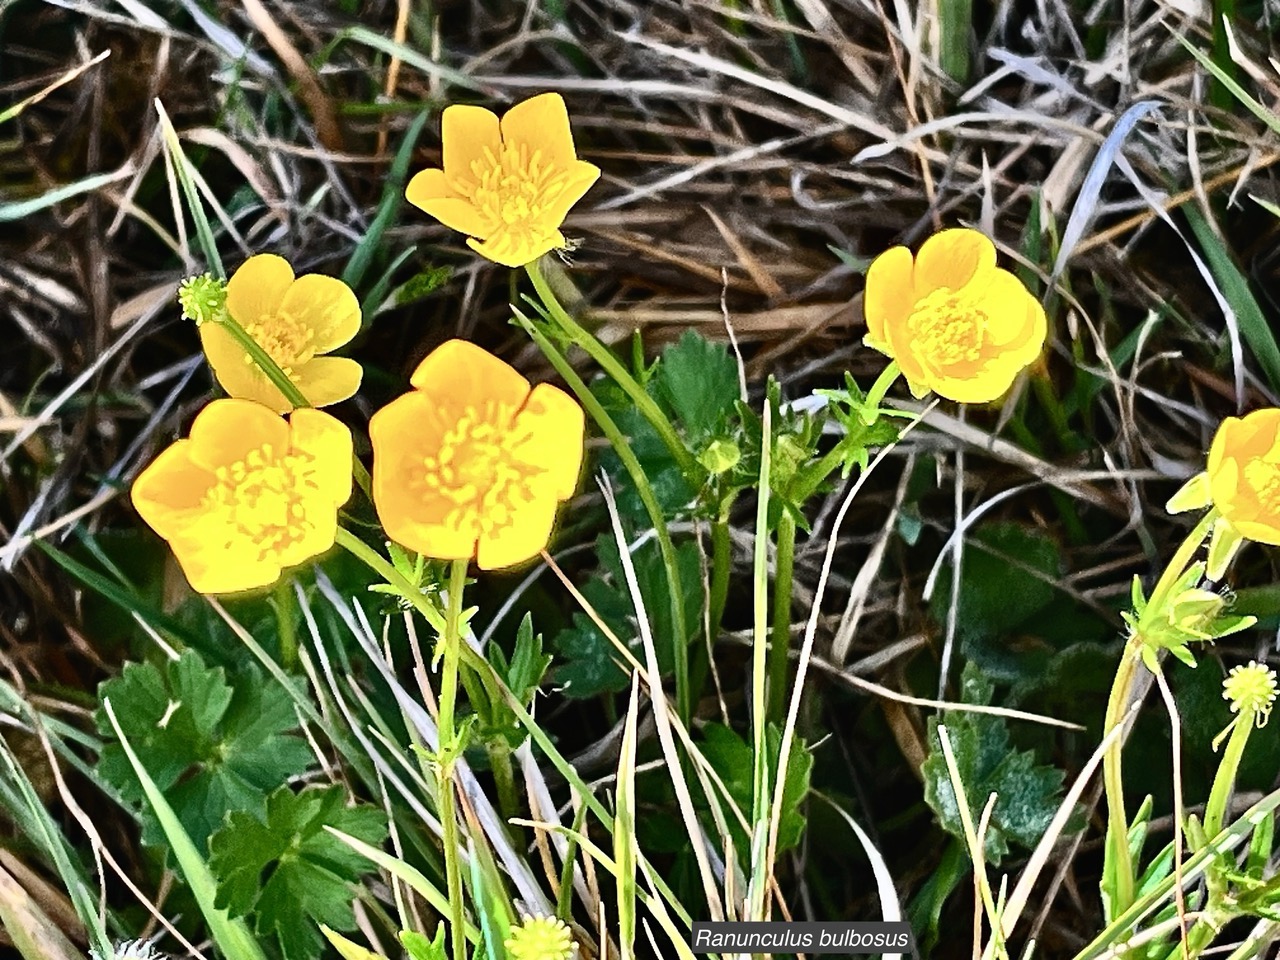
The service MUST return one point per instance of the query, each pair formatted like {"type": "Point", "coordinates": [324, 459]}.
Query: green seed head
{"type": "Point", "coordinates": [1251, 690]}
{"type": "Point", "coordinates": [203, 298]}
{"type": "Point", "coordinates": [540, 938]}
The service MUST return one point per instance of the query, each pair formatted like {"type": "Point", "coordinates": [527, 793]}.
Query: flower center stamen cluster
{"type": "Point", "coordinates": [514, 189]}
{"type": "Point", "coordinates": [286, 340]}
{"type": "Point", "coordinates": [477, 471]}
{"type": "Point", "coordinates": [263, 496]}
{"type": "Point", "coordinates": [950, 325]}
{"type": "Point", "coordinates": [1263, 479]}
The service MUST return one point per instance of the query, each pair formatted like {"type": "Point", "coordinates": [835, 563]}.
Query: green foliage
{"type": "Point", "coordinates": [290, 873]}
{"type": "Point", "coordinates": [212, 746]}
{"type": "Point", "coordinates": [695, 384]}
{"type": "Point", "coordinates": [420, 948]}
{"type": "Point", "coordinates": [1028, 793]}
{"type": "Point", "coordinates": [589, 661]}
{"type": "Point", "coordinates": [522, 674]}
{"type": "Point", "coordinates": [699, 382]}
{"type": "Point", "coordinates": [730, 756]}
{"type": "Point", "coordinates": [1007, 586]}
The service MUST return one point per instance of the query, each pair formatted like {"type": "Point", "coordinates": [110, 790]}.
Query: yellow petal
{"type": "Point", "coordinates": [257, 288]}
{"type": "Point", "coordinates": [429, 184]}
{"type": "Point", "coordinates": [516, 250]}
{"type": "Point", "coordinates": [952, 258]}
{"type": "Point", "coordinates": [223, 567]}
{"type": "Point", "coordinates": [169, 489]}
{"type": "Point", "coordinates": [470, 136]}
{"type": "Point", "coordinates": [889, 297]}
{"type": "Point", "coordinates": [1224, 482]}
{"type": "Point", "coordinates": [551, 426]}
{"type": "Point", "coordinates": [458, 374]}
{"type": "Point", "coordinates": [327, 380]}
{"type": "Point", "coordinates": [1218, 449]}
{"type": "Point", "coordinates": [236, 372]}
{"type": "Point", "coordinates": [328, 441]}
{"type": "Point", "coordinates": [542, 124]}
{"type": "Point", "coordinates": [403, 433]}
{"type": "Point", "coordinates": [581, 177]}
{"type": "Point", "coordinates": [1260, 531]}
{"type": "Point", "coordinates": [460, 215]}
{"type": "Point", "coordinates": [528, 533]}
{"type": "Point", "coordinates": [327, 307]}
{"type": "Point", "coordinates": [227, 430]}
{"type": "Point", "coordinates": [990, 384]}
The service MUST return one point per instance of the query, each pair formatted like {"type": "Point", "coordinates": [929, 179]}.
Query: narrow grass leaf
{"type": "Point", "coordinates": [1255, 329]}
{"type": "Point", "coordinates": [759, 659]}
{"type": "Point", "coordinates": [24, 208]}
{"type": "Point", "coordinates": [34, 822]}
{"type": "Point", "coordinates": [183, 171]}
{"type": "Point", "coordinates": [413, 878]}
{"type": "Point", "coordinates": [1270, 118]}
{"type": "Point", "coordinates": [392, 199]}
{"type": "Point", "coordinates": [232, 936]}
{"type": "Point", "coordinates": [624, 828]}
{"type": "Point", "coordinates": [1091, 190]}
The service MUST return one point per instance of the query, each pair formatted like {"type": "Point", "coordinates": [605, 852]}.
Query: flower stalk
{"type": "Point", "coordinates": [1117, 704]}
{"type": "Point", "coordinates": [450, 748]}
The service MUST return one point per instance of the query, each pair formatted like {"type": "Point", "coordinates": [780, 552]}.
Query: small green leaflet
{"type": "Point", "coordinates": [730, 756]}
{"type": "Point", "coordinates": [1028, 793]}
{"type": "Point", "coordinates": [288, 871]}
{"type": "Point", "coordinates": [699, 381]}
{"type": "Point", "coordinates": [210, 746]}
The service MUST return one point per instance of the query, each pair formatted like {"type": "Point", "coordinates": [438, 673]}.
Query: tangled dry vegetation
{"type": "Point", "coordinates": [756, 155]}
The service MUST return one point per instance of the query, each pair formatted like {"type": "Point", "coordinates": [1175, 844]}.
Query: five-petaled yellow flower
{"type": "Point", "coordinates": [248, 493]}
{"type": "Point", "coordinates": [955, 322]}
{"type": "Point", "coordinates": [1242, 482]}
{"type": "Point", "coordinates": [508, 184]}
{"type": "Point", "coordinates": [295, 321]}
{"type": "Point", "coordinates": [472, 462]}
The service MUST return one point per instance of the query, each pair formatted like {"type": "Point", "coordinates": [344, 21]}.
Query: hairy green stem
{"type": "Point", "coordinates": [807, 481]}
{"type": "Point", "coordinates": [281, 600]}
{"type": "Point", "coordinates": [780, 632]}
{"type": "Point", "coordinates": [645, 491]}
{"type": "Point", "coordinates": [1117, 820]}
{"type": "Point", "coordinates": [1117, 704]}
{"type": "Point", "coordinates": [281, 381]}
{"type": "Point", "coordinates": [610, 364]}
{"type": "Point", "coordinates": [451, 643]}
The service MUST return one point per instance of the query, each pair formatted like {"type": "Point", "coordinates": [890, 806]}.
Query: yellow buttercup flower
{"type": "Point", "coordinates": [473, 462]}
{"type": "Point", "coordinates": [248, 493]}
{"type": "Point", "coordinates": [1241, 482]}
{"type": "Point", "coordinates": [955, 322]}
{"type": "Point", "coordinates": [508, 184]}
{"type": "Point", "coordinates": [296, 321]}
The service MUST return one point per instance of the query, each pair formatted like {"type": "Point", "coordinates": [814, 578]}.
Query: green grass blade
{"type": "Point", "coordinates": [1254, 328]}
{"type": "Point", "coordinates": [1271, 119]}
{"type": "Point", "coordinates": [956, 23]}
{"type": "Point", "coordinates": [624, 828]}
{"type": "Point", "coordinates": [388, 206]}
{"type": "Point", "coordinates": [34, 822]}
{"type": "Point", "coordinates": [24, 208]}
{"type": "Point", "coordinates": [232, 936]}
{"type": "Point", "coordinates": [760, 793]}
{"type": "Point", "coordinates": [182, 169]}
{"type": "Point", "coordinates": [411, 876]}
